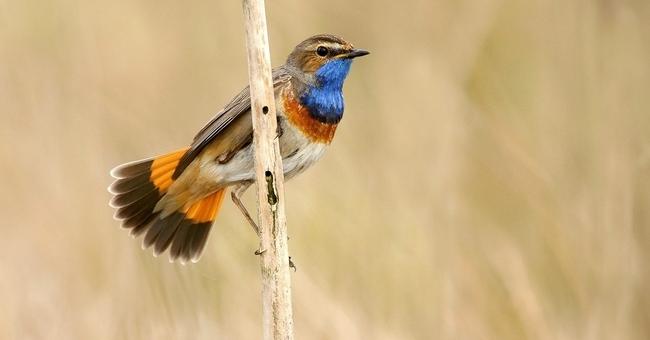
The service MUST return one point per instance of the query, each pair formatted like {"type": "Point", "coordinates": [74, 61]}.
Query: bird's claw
{"type": "Point", "coordinates": [292, 265]}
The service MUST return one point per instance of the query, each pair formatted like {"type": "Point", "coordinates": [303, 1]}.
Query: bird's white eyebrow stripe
{"type": "Point", "coordinates": [332, 45]}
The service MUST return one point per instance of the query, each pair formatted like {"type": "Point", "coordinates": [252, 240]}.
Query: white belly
{"type": "Point", "coordinates": [241, 166]}
{"type": "Point", "coordinates": [303, 159]}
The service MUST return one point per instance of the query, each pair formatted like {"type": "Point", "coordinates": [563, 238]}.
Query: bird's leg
{"type": "Point", "coordinates": [236, 198]}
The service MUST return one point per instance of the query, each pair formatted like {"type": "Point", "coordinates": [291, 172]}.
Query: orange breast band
{"type": "Point", "coordinates": [299, 116]}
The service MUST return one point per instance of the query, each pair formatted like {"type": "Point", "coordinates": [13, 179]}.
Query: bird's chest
{"type": "Point", "coordinates": [304, 136]}
{"type": "Point", "coordinates": [304, 120]}
{"type": "Point", "coordinates": [298, 152]}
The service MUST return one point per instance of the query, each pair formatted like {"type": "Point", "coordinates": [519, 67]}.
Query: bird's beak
{"type": "Point", "coordinates": [357, 52]}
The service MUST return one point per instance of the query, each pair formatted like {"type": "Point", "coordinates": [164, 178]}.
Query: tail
{"type": "Point", "coordinates": [139, 186]}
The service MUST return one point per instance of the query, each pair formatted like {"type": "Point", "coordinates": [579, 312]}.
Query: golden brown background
{"type": "Point", "coordinates": [490, 179]}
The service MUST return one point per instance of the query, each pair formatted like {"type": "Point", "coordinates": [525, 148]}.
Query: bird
{"type": "Point", "coordinates": [173, 199]}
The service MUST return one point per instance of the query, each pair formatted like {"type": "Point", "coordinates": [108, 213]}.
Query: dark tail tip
{"type": "Point", "coordinates": [184, 238]}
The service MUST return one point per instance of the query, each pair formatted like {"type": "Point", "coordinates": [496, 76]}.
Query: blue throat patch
{"type": "Point", "coordinates": [325, 100]}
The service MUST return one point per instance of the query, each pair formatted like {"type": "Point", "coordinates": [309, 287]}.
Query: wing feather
{"type": "Point", "coordinates": [238, 107]}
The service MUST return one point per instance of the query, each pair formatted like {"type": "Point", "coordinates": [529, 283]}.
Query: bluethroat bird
{"type": "Point", "coordinates": [173, 199]}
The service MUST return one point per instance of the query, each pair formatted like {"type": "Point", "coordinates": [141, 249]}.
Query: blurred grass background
{"type": "Point", "coordinates": [490, 180]}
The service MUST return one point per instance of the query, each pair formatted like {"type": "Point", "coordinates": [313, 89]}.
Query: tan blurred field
{"type": "Point", "coordinates": [490, 179]}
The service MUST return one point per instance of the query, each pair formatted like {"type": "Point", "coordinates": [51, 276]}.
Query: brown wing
{"type": "Point", "coordinates": [233, 123]}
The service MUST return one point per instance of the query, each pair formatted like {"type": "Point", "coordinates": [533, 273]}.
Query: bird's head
{"type": "Point", "coordinates": [324, 60]}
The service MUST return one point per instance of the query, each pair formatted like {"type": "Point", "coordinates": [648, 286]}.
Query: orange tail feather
{"type": "Point", "coordinates": [140, 185]}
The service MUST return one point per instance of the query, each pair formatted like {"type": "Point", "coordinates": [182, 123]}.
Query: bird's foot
{"type": "Point", "coordinates": [292, 265]}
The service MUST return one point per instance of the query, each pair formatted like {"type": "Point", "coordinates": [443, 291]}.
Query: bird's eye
{"type": "Point", "coordinates": [322, 51]}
